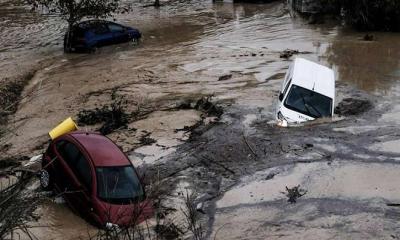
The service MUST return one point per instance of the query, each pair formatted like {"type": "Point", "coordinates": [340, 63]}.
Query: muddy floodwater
{"type": "Point", "coordinates": [239, 164]}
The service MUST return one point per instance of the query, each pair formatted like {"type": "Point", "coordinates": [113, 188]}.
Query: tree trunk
{"type": "Point", "coordinates": [157, 3]}
{"type": "Point", "coordinates": [67, 42]}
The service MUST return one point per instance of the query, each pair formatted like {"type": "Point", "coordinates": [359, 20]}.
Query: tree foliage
{"type": "Point", "coordinates": [373, 14]}
{"type": "Point", "coordinates": [74, 10]}
{"type": "Point", "coordinates": [368, 14]}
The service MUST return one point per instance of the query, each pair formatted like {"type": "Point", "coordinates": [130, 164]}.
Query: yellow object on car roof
{"type": "Point", "coordinates": [68, 125]}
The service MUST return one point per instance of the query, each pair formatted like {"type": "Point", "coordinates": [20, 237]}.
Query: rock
{"type": "Point", "coordinates": [225, 77]}
{"type": "Point", "coordinates": [309, 145]}
{"type": "Point", "coordinates": [200, 208]}
{"type": "Point", "coordinates": [270, 176]}
{"type": "Point", "coordinates": [35, 160]}
{"type": "Point", "coordinates": [368, 37]}
{"type": "Point", "coordinates": [288, 53]}
{"type": "Point", "coordinates": [316, 19]}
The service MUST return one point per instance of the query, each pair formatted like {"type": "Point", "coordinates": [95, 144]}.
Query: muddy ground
{"type": "Point", "coordinates": [238, 163]}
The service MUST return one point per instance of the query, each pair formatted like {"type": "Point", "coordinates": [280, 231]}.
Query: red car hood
{"type": "Point", "coordinates": [127, 215]}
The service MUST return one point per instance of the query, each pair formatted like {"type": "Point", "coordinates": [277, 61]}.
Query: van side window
{"type": "Point", "coordinates": [287, 86]}
{"type": "Point", "coordinates": [77, 162]}
{"type": "Point", "coordinates": [288, 77]}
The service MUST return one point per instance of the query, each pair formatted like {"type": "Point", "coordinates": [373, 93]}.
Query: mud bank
{"type": "Point", "coordinates": [343, 200]}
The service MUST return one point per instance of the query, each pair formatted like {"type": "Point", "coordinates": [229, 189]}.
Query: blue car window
{"type": "Point", "coordinates": [100, 29]}
{"type": "Point", "coordinates": [115, 27]}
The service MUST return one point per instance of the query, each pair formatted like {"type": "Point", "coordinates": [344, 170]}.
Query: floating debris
{"type": "Point", "coordinates": [225, 77]}
{"type": "Point", "coordinates": [270, 176]}
{"type": "Point", "coordinates": [288, 53]}
{"type": "Point", "coordinates": [9, 162]}
{"type": "Point", "coordinates": [146, 139]}
{"type": "Point", "coordinates": [368, 37]}
{"type": "Point", "coordinates": [168, 231]}
{"type": "Point", "coordinates": [352, 106]}
{"type": "Point", "coordinates": [294, 193]}
{"type": "Point", "coordinates": [17, 206]}
{"type": "Point", "coordinates": [204, 105]}
{"type": "Point", "coordinates": [113, 117]}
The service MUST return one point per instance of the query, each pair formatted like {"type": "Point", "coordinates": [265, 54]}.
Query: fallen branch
{"type": "Point", "coordinates": [218, 164]}
{"type": "Point", "coordinates": [248, 145]}
{"type": "Point", "coordinates": [219, 229]}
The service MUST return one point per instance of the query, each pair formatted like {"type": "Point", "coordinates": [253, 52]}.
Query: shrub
{"type": "Point", "coordinates": [372, 14]}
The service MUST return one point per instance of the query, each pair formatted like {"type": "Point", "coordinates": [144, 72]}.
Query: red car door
{"type": "Point", "coordinates": [76, 173]}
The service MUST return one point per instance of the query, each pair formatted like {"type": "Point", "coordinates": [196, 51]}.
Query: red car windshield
{"type": "Point", "coordinates": [118, 185]}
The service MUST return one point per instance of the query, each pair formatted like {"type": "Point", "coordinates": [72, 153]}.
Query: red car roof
{"type": "Point", "coordinates": [102, 151]}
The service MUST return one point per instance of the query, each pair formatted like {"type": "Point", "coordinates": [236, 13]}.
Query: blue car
{"type": "Point", "coordinates": [89, 35]}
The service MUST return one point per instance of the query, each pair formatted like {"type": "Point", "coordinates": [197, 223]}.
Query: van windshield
{"type": "Point", "coordinates": [118, 185]}
{"type": "Point", "coordinates": [308, 102]}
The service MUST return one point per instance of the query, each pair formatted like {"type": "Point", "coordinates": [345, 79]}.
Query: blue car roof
{"type": "Point", "coordinates": [90, 23]}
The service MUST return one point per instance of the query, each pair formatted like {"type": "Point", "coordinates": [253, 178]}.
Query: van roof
{"type": "Point", "coordinates": [314, 76]}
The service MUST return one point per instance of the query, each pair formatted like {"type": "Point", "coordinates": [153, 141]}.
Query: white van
{"type": "Point", "coordinates": [308, 92]}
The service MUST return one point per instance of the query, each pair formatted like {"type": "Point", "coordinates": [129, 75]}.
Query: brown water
{"type": "Point", "coordinates": [185, 48]}
{"type": "Point", "coordinates": [372, 66]}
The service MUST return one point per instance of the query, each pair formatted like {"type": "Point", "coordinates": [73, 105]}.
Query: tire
{"type": "Point", "coordinates": [135, 41]}
{"type": "Point", "coordinates": [45, 180]}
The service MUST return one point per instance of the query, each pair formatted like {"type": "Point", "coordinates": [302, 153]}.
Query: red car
{"type": "Point", "coordinates": [96, 179]}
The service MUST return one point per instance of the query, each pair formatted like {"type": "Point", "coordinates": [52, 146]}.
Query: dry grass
{"type": "Point", "coordinates": [16, 206]}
